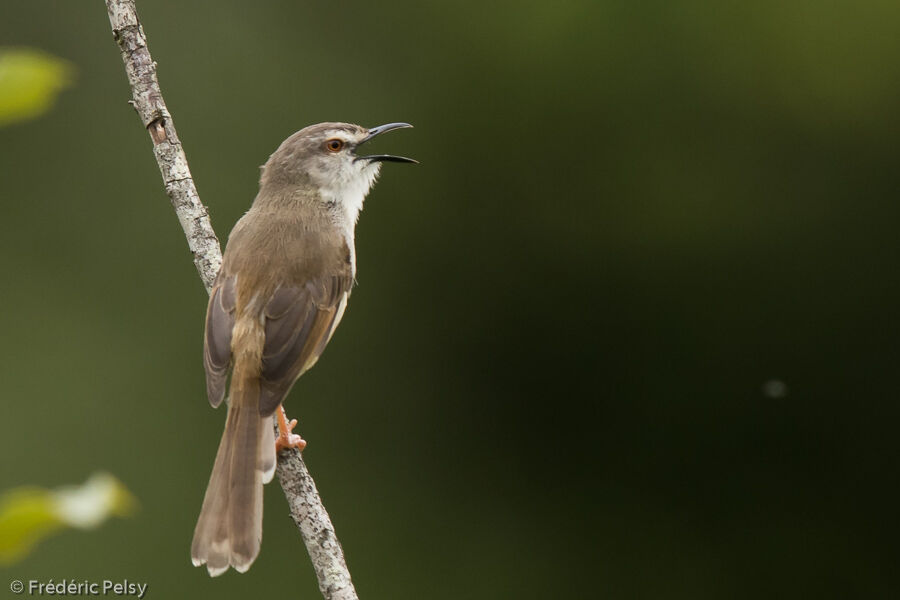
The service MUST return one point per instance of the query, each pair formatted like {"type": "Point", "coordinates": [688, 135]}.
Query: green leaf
{"type": "Point", "coordinates": [30, 80]}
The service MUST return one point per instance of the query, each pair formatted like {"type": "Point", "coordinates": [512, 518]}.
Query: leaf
{"type": "Point", "coordinates": [30, 514]}
{"type": "Point", "coordinates": [30, 80]}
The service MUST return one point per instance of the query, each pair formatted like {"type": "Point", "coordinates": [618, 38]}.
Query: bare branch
{"type": "Point", "coordinates": [305, 505]}
{"type": "Point", "coordinates": [148, 102]}
{"type": "Point", "coordinates": [315, 527]}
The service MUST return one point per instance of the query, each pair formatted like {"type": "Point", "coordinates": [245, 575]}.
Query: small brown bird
{"type": "Point", "coordinates": [286, 276]}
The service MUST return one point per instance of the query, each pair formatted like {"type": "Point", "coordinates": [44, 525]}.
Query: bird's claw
{"type": "Point", "coordinates": [286, 436]}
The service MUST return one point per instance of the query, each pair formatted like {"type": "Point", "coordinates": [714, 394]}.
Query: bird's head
{"type": "Point", "coordinates": [325, 159]}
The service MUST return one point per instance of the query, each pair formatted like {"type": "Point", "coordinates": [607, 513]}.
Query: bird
{"type": "Point", "coordinates": [287, 273]}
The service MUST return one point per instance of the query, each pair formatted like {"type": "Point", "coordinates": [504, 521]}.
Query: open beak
{"type": "Point", "coordinates": [384, 157]}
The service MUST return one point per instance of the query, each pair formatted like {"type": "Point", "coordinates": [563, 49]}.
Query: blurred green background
{"type": "Point", "coordinates": [552, 380]}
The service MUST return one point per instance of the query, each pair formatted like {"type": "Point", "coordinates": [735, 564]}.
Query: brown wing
{"type": "Point", "coordinates": [299, 322]}
{"type": "Point", "coordinates": [217, 338]}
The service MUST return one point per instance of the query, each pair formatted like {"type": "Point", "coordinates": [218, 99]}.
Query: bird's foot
{"type": "Point", "coordinates": [286, 436]}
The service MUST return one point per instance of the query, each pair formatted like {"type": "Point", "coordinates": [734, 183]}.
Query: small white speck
{"type": "Point", "coordinates": [774, 388]}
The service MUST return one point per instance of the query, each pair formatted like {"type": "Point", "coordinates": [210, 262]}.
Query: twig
{"type": "Point", "coordinates": [315, 527]}
{"type": "Point", "coordinates": [306, 507]}
{"type": "Point", "coordinates": [149, 104]}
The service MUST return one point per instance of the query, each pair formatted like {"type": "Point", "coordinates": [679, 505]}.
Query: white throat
{"type": "Point", "coordinates": [346, 194]}
{"type": "Point", "coordinates": [348, 191]}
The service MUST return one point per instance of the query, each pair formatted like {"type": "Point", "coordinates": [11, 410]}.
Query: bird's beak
{"type": "Point", "coordinates": [384, 157]}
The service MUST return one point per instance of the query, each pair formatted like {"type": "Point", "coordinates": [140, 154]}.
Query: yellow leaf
{"type": "Point", "coordinates": [26, 517]}
{"type": "Point", "coordinates": [30, 80]}
{"type": "Point", "coordinates": [30, 514]}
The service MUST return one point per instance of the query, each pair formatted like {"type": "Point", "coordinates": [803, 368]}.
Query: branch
{"type": "Point", "coordinates": [306, 507]}
{"type": "Point", "coordinates": [151, 108]}
{"type": "Point", "coordinates": [315, 527]}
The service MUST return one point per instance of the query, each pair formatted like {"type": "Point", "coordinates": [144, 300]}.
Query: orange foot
{"type": "Point", "coordinates": [286, 438]}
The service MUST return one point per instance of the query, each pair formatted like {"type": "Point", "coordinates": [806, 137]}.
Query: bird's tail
{"type": "Point", "coordinates": [229, 529]}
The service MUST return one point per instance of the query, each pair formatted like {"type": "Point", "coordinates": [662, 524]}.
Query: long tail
{"type": "Point", "coordinates": [229, 529]}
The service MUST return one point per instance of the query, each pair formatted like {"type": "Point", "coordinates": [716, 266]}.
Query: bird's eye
{"type": "Point", "coordinates": [334, 145]}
